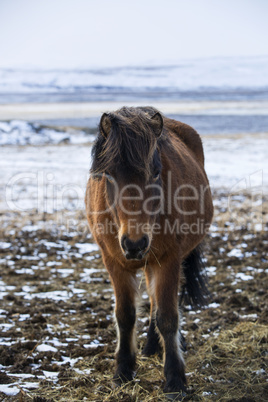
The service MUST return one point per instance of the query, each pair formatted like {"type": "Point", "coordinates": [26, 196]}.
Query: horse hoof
{"type": "Point", "coordinates": [175, 396]}
{"type": "Point", "coordinates": [121, 378]}
{"type": "Point", "coordinates": [175, 392]}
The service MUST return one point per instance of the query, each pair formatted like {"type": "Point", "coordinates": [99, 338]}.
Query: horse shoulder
{"type": "Point", "coordinates": [189, 137]}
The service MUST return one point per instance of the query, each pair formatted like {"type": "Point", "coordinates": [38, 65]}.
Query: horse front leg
{"type": "Point", "coordinates": [167, 320]}
{"type": "Point", "coordinates": [125, 289]}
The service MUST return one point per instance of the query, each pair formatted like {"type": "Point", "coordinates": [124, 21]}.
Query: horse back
{"type": "Point", "coordinates": [188, 136]}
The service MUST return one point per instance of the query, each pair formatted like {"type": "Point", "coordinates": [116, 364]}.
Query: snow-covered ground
{"type": "Point", "coordinates": [20, 132]}
{"type": "Point", "coordinates": [53, 177]}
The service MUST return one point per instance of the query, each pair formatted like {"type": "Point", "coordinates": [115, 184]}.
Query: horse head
{"type": "Point", "coordinates": [127, 155]}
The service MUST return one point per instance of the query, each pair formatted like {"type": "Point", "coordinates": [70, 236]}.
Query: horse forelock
{"type": "Point", "coordinates": [130, 144]}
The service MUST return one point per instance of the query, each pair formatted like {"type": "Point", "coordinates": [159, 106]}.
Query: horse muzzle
{"type": "Point", "coordinates": [135, 250]}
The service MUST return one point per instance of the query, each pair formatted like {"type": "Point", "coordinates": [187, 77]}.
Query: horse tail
{"type": "Point", "coordinates": [194, 290]}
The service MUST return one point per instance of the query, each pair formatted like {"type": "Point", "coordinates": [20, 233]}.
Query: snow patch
{"type": "Point", "coordinates": [46, 348]}
{"type": "Point", "coordinates": [236, 252]}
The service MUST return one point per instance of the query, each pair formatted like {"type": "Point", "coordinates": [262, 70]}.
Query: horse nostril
{"type": "Point", "coordinates": [145, 242]}
{"type": "Point", "coordinates": [124, 242]}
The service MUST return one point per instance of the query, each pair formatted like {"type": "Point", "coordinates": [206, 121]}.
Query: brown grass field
{"type": "Point", "coordinates": [57, 334]}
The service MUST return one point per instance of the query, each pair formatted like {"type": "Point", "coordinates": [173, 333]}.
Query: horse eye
{"type": "Point", "coordinates": [156, 175]}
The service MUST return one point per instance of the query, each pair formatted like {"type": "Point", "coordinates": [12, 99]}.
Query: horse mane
{"type": "Point", "coordinates": [130, 143]}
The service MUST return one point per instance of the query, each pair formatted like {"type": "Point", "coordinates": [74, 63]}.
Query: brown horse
{"type": "Point", "coordinates": [149, 206]}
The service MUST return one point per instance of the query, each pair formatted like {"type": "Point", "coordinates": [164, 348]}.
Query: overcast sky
{"type": "Point", "coordinates": [86, 33]}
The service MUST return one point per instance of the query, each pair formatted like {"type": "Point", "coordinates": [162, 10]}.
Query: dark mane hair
{"type": "Point", "coordinates": [130, 142]}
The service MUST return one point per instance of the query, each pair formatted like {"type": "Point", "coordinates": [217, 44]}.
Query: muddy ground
{"type": "Point", "coordinates": [57, 336]}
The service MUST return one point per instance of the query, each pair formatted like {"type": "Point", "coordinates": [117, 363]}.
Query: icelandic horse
{"type": "Point", "coordinates": [149, 206]}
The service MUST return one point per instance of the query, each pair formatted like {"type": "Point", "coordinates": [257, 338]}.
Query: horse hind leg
{"type": "Point", "coordinates": [153, 344]}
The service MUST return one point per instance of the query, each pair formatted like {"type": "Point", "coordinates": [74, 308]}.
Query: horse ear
{"type": "Point", "coordinates": [105, 125]}
{"type": "Point", "coordinates": [158, 119]}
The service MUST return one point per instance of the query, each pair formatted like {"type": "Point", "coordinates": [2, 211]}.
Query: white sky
{"type": "Point", "coordinates": [86, 33]}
